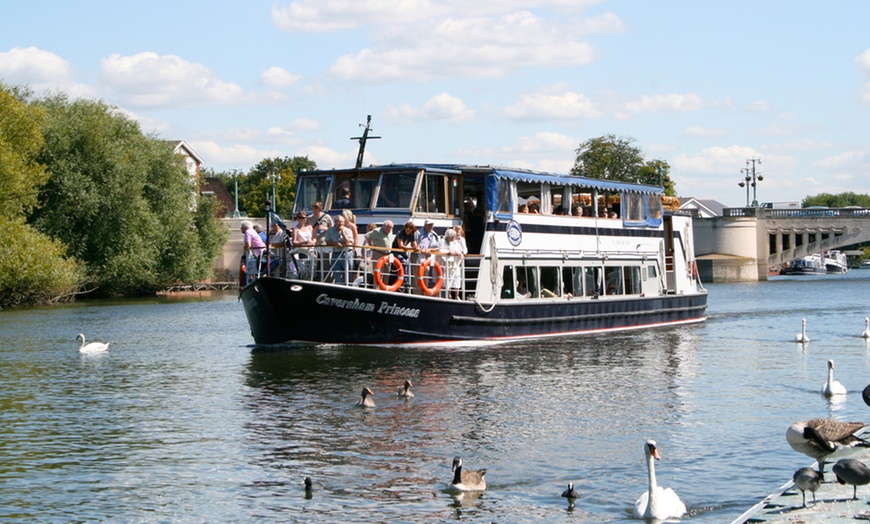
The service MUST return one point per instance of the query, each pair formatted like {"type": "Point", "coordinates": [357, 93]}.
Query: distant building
{"type": "Point", "coordinates": [213, 186]}
{"type": "Point", "coordinates": [192, 161]}
{"type": "Point", "coordinates": [702, 207]}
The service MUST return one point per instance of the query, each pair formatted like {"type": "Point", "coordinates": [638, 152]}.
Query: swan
{"type": "Point", "coordinates": [808, 479]}
{"type": "Point", "coordinates": [832, 387]}
{"type": "Point", "coordinates": [93, 347]}
{"type": "Point", "coordinates": [366, 399]}
{"type": "Point", "coordinates": [405, 390]}
{"type": "Point", "coordinates": [820, 437]}
{"type": "Point", "coordinates": [657, 503]}
{"type": "Point", "coordinates": [852, 471]}
{"type": "Point", "coordinates": [471, 480]}
{"type": "Point", "coordinates": [866, 333]}
{"type": "Point", "coordinates": [802, 336]}
{"type": "Point", "coordinates": [570, 493]}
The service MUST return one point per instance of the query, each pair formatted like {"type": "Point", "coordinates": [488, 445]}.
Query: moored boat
{"type": "Point", "coordinates": [836, 262]}
{"type": "Point", "coordinates": [596, 256]}
{"type": "Point", "coordinates": [808, 265]}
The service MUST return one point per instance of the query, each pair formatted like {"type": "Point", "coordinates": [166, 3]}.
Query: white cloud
{"type": "Point", "coordinates": [682, 103]}
{"type": "Point", "coordinates": [717, 159]}
{"type": "Point", "coordinates": [548, 105]}
{"type": "Point", "coordinates": [279, 78]}
{"type": "Point", "coordinates": [759, 105]}
{"type": "Point", "coordinates": [232, 155]}
{"type": "Point", "coordinates": [852, 160]}
{"type": "Point", "coordinates": [441, 107]}
{"type": "Point", "coordinates": [40, 70]}
{"type": "Point", "coordinates": [863, 61]}
{"type": "Point", "coordinates": [147, 80]}
{"type": "Point", "coordinates": [705, 132]}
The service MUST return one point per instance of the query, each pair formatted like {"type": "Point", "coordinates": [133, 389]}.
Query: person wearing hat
{"type": "Point", "coordinates": [429, 239]}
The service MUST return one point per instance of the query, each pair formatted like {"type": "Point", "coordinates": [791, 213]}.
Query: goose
{"type": "Point", "coordinates": [93, 347]}
{"type": "Point", "coordinates": [808, 479]}
{"type": "Point", "coordinates": [866, 395]}
{"type": "Point", "coordinates": [366, 399]}
{"type": "Point", "coordinates": [570, 493]}
{"type": "Point", "coordinates": [802, 336]}
{"type": "Point", "coordinates": [472, 480]}
{"type": "Point", "coordinates": [657, 502]}
{"type": "Point", "coordinates": [405, 390]}
{"type": "Point", "coordinates": [832, 387]}
{"type": "Point", "coordinates": [820, 437]}
{"type": "Point", "coordinates": [853, 472]}
{"type": "Point", "coordinates": [866, 333]}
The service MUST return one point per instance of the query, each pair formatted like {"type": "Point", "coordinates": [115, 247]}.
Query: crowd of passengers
{"type": "Point", "coordinates": [534, 208]}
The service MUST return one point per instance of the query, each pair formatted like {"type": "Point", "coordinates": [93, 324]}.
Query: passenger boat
{"type": "Point", "coordinates": [525, 275]}
{"type": "Point", "coordinates": [808, 265]}
{"type": "Point", "coordinates": [836, 262]}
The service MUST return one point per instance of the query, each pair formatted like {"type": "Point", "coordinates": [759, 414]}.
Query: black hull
{"type": "Point", "coordinates": [284, 311]}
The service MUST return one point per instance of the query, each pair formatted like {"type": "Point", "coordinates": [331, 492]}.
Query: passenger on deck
{"type": "Point", "coordinates": [254, 246]}
{"type": "Point", "coordinates": [460, 237]}
{"type": "Point", "coordinates": [277, 249]}
{"type": "Point", "coordinates": [429, 239]}
{"type": "Point", "coordinates": [577, 211]}
{"type": "Point", "coordinates": [320, 222]}
{"type": "Point", "coordinates": [523, 208]}
{"type": "Point", "coordinates": [407, 241]}
{"type": "Point", "coordinates": [559, 210]}
{"type": "Point", "coordinates": [339, 237]}
{"type": "Point", "coordinates": [613, 215]}
{"type": "Point", "coordinates": [302, 233]}
{"type": "Point", "coordinates": [259, 229]}
{"type": "Point", "coordinates": [535, 207]}
{"type": "Point", "coordinates": [453, 260]}
{"type": "Point", "coordinates": [350, 222]}
{"type": "Point", "coordinates": [381, 237]}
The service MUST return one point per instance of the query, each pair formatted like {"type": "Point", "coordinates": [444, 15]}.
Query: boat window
{"type": "Point", "coordinates": [632, 208]}
{"type": "Point", "coordinates": [572, 281]}
{"type": "Point", "coordinates": [654, 208]}
{"type": "Point", "coordinates": [558, 195]}
{"type": "Point", "coordinates": [508, 282]}
{"type": "Point", "coordinates": [503, 204]}
{"type": "Point", "coordinates": [396, 189]}
{"type": "Point", "coordinates": [631, 275]}
{"type": "Point", "coordinates": [353, 193]}
{"type": "Point", "coordinates": [550, 286]}
{"type": "Point", "coordinates": [651, 272]}
{"type": "Point", "coordinates": [527, 282]}
{"type": "Point", "coordinates": [310, 190]}
{"type": "Point", "coordinates": [529, 194]}
{"type": "Point", "coordinates": [592, 281]}
{"type": "Point", "coordinates": [613, 280]}
{"type": "Point", "coordinates": [433, 194]}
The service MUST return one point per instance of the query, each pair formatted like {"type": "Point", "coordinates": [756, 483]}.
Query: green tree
{"type": "Point", "coordinates": [657, 173]}
{"type": "Point", "coordinates": [120, 200]}
{"type": "Point", "coordinates": [610, 157]}
{"type": "Point", "coordinates": [256, 186]}
{"type": "Point", "coordinates": [20, 141]}
{"type": "Point", "coordinates": [839, 200]}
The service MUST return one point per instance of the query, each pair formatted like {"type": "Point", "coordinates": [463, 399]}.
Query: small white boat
{"type": "Point", "coordinates": [836, 262]}
{"type": "Point", "coordinates": [865, 264]}
{"type": "Point", "coordinates": [808, 265]}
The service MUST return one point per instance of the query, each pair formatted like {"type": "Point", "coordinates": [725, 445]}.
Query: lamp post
{"type": "Point", "coordinates": [751, 178]}
{"type": "Point", "coordinates": [236, 193]}
{"type": "Point", "coordinates": [272, 177]}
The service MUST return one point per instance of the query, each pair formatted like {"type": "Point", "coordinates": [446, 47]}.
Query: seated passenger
{"type": "Point", "coordinates": [523, 208]}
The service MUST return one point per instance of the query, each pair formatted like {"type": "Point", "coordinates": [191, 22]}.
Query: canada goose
{"type": "Point", "coordinates": [802, 336]}
{"type": "Point", "coordinates": [570, 493]}
{"type": "Point", "coordinates": [808, 479]}
{"type": "Point", "coordinates": [832, 387]}
{"type": "Point", "coordinates": [405, 390]}
{"type": "Point", "coordinates": [820, 437]}
{"type": "Point", "coordinates": [866, 332]}
{"type": "Point", "coordinates": [366, 400]}
{"type": "Point", "coordinates": [657, 502]}
{"type": "Point", "coordinates": [853, 472]}
{"type": "Point", "coordinates": [93, 347]}
{"type": "Point", "coordinates": [472, 480]}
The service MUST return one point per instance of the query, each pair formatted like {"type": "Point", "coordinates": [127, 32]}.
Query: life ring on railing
{"type": "Point", "coordinates": [421, 277]}
{"type": "Point", "coordinates": [400, 273]}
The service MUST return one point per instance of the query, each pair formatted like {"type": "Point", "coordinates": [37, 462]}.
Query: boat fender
{"type": "Point", "coordinates": [422, 277]}
{"type": "Point", "coordinates": [400, 273]}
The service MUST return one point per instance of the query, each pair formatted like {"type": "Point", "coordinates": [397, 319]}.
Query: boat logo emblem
{"type": "Point", "coordinates": [295, 287]}
{"type": "Point", "coordinates": [514, 233]}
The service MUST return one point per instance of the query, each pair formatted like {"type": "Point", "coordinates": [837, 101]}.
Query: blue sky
{"type": "Point", "coordinates": [704, 85]}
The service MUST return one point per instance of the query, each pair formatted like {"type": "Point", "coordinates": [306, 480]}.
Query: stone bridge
{"type": "Point", "coordinates": [745, 243]}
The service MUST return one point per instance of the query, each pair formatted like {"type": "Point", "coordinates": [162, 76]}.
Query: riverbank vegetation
{"type": "Point", "coordinates": [91, 204]}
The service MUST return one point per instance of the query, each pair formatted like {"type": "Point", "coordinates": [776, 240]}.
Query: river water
{"type": "Point", "coordinates": [182, 422]}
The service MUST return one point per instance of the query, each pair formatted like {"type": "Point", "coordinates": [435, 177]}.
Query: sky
{"type": "Point", "coordinates": [704, 85]}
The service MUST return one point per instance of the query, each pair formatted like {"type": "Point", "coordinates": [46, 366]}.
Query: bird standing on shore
{"type": "Point", "coordinates": [470, 480]}
{"type": "Point", "coordinates": [852, 472]}
{"type": "Point", "coordinates": [366, 400]}
{"type": "Point", "coordinates": [93, 347]}
{"type": "Point", "coordinates": [832, 387]}
{"type": "Point", "coordinates": [802, 336]}
{"type": "Point", "coordinates": [820, 437]}
{"type": "Point", "coordinates": [808, 479]}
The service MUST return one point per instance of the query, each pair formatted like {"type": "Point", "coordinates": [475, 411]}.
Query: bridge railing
{"type": "Point", "coordinates": [761, 212]}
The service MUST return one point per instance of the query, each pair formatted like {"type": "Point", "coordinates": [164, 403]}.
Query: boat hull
{"type": "Point", "coordinates": [282, 311]}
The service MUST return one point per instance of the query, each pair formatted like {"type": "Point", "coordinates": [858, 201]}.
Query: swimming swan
{"type": "Point", "coordinates": [471, 480]}
{"type": "Point", "coordinates": [405, 390]}
{"type": "Point", "coordinates": [802, 336]}
{"type": "Point", "coordinates": [832, 387]}
{"type": "Point", "coordinates": [93, 347]}
{"type": "Point", "coordinates": [657, 503]}
{"type": "Point", "coordinates": [866, 333]}
{"type": "Point", "coordinates": [366, 400]}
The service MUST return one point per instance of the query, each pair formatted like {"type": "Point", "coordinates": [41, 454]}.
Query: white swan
{"type": "Point", "coordinates": [866, 333]}
{"type": "Point", "coordinates": [657, 503]}
{"type": "Point", "coordinates": [93, 347]}
{"type": "Point", "coordinates": [802, 336]}
{"type": "Point", "coordinates": [832, 387]}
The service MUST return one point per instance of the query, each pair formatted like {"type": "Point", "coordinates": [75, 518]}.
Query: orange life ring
{"type": "Point", "coordinates": [400, 273]}
{"type": "Point", "coordinates": [421, 277]}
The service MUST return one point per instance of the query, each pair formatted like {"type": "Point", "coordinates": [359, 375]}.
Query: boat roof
{"type": "Point", "coordinates": [509, 173]}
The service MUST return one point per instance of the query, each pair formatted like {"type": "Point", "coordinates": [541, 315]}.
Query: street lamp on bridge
{"type": "Point", "coordinates": [751, 178]}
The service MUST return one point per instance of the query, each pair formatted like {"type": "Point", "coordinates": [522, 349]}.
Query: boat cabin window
{"type": "Point", "coordinates": [592, 281]}
{"type": "Point", "coordinates": [504, 206]}
{"type": "Point", "coordinates": [353, 193]}
{"type": "Point", "coordinates": [433, 194]}
{"type": "Point", "coordinates": [550, 286]}
{"type": "Point", "coordinates": [613, 280]}
{"type": "Point", "coordinates": [508, 283]}
{"type": "Point", "coordinates": [527, 282]}
{"type": "Point", "coordinates": [560, 203]}
{"type": "Point", "coordinates": [396, 189]}
{"type": "Point", "coordinates": [631, 277]}
{"type": "Point", "coordinates": [311, 189]}
{"type": "Point", "coordinates": [529, 195]}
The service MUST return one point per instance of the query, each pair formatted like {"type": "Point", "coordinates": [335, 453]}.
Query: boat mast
{"type": "Point", "coordinates": [362, 141]}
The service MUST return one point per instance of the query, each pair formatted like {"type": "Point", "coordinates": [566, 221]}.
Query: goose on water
{"type": "Point", "coordinates": [570, 493]}
{"type": "Point", "coordinates": [866, 395]}
{"type": "Point", "coordinates": [832, 387]}
{"type": "Point", "coordinates": [866, 333]}
{"type": "Point", "coordinates": [657, 502]}
{"type": "Point", "coordinates": [808, 479]}
{"type": "Point", "coordinates": [366, 400]}
{"type": "Point", "coordinates": [802, 336]}
{"type": "Point", "coordinates": [93, 347]}
{"type": "Point", "coordinates": [820, 437]}
{"type": "Point", "coordinates": [467, 480]}
{"type": "Point", "coordinates": [309, 487]}
{"type": "Point", "coordinates": [852, 472]}
{"type": "Point", "coordinates": [405, 390]}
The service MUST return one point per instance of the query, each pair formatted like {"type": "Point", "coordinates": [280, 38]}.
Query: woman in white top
{"type": "Point", "coordinates": [302, 233]}
{"type": "Point", "coordinates": [453, 260]}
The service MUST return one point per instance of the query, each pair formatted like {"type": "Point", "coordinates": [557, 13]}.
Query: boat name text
{"type": "Point", "coordinates": [355, 304]}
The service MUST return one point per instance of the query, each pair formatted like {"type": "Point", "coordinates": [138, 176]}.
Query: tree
{"type": "Point", "coordinates": [120, 200]}
{"type": "Point", "coordinates": [615, 158]}
{"type": "Point", "coordinates": [839, 200]}
{"type": "Point", "coordinates": [20, 141]}
{"type": "Point", "coordinates": [256, 186]}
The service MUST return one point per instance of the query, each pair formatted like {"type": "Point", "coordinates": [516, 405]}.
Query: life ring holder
{"type": "Point", "coordinates": [421, 277]}
{"type": "Point", "coordinates": [400, 273]}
